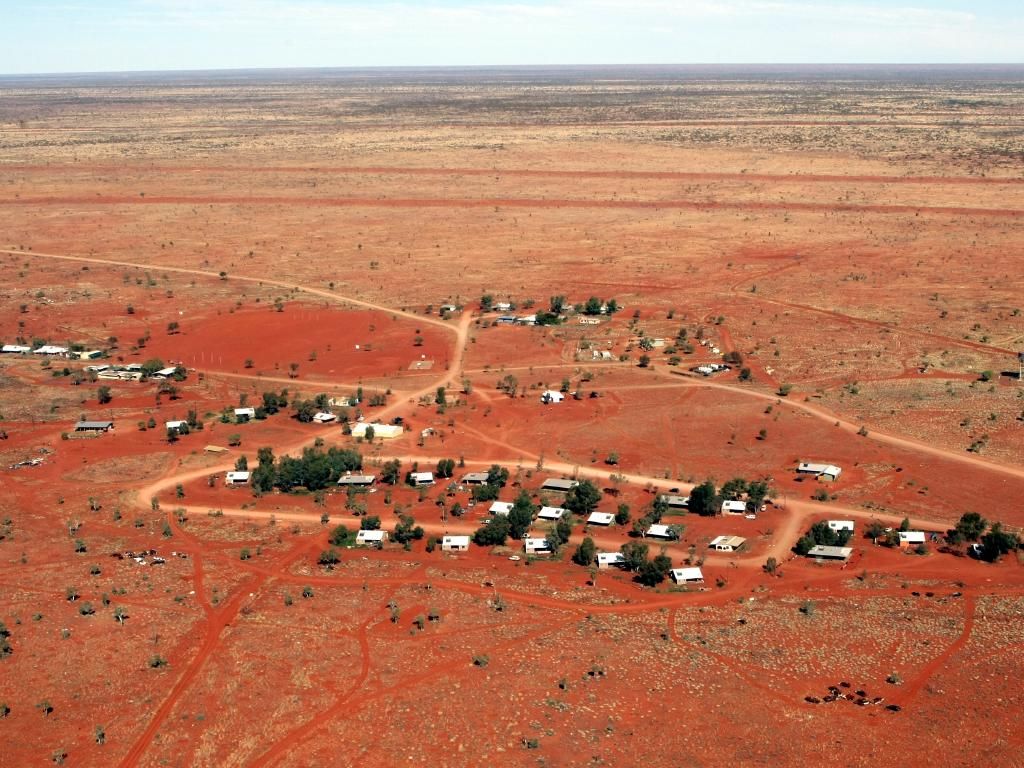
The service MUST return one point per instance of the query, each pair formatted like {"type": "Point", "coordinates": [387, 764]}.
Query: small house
{"type": "Point", "coordinates": [323, 417]}
{"type": "Point", "coordinates": [455, 544]}
{"type": "Point", "coordinates": [501, 508]}
{"type": "Point", "coordinates": [165, 373]}
{"type": "Point", "coordinates": [676, 502]}
{"type": "Point", "coordinates": [912, 538]}
{"type": "Point", "coordinates": [607, 560]}
{"type": "Point", "coordinates": [560, 484]}
{"type": "Point", "coordinates": [550, 513]}
{"type": "Point", "coordinates": [822, 552]}
{"type": "Point", "coordinates": [475, 478]}
{"type": "Point", "coordinates": [244, 414]}
{"type": "Point", "coordinates": [731, 507]}
{"type": "Point", "coordinates": [420, 479]}
{"type": "Point", "coordinates": [551, 396]}
{"type": "Point", "coordinates": [727, 543]}
{"type": "Point", "coordinates": [501, 306]}
{"type": "Point", "coordinates": [371, 538]}
{"type": "Point", "coordinates": [359, 481]}
{"type": "Point", "coordinates": [50, 350]}
{"type": "Point", "coordinates": [687, 575]}
{"type": "Point", "coordinates": [97, 368]}
{"type": "Point", "coordinates": [92, 354]}
{"type": "Point", "coordinates": [841, 525]}
{"type": "Point", "coordinates": [536, 546]}
{"type": "Point", "coordinates": [176, 425]}
{"type": "Point", "coordinates": [526, 320]}
{"type": "Point", "coordinates": [601, 518]}
{"type": "Point", "coordinates": [660, 531]}
{"type": "Point", "coordinates": [94, 426]}
{"type": "Point", "coordinates": [236, 478]}
{"type": "Point", "coordinates": [506, 319]}
{"type": "Point", "coordinates": [820, 471]}
{"type": "Point", "coordinates": [15, 349]}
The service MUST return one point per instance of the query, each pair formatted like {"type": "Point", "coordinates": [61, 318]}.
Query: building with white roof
{"type": "Point", "coordinates": [687, 575]}
{"type": "Point", "coordinates": [610, 560]}
{"type": "Point", "coordinates": [236, 477]}
{"type": "Point", "coordinates": [501, 508]}
{"type": "Point", "coordinates": [660, 531]}
{"type": "Point", "coordinates": [601, 518]}
{"type": "Point", "coordinates": [455, 544]}
{"type": "Point", "coordinates": [551, 513]}
{"type": "Point", "coordinates": [371, 537]}
{"type": "Point", "coordinates": [733, 507]}
{"type": "Point", "coordinates": [421, 478]}
{"type": "Point", "coordinates": [727, 543]}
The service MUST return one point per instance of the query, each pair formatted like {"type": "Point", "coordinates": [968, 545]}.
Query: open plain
{"type": "Point", "coordinates": [850, 241]}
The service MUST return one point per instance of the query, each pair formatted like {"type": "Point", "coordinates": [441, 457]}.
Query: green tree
{"type": "Point", "coordinates": [520, 517]}
{"type": "Point", "coordinates": [582, 498]}
{"type": "Point", "coordinates": [593, 306]}
{"type": "Point", "coordinates": [704, 499]}
{"type": "Point", "coordinates": [585, 552]}
{"type": "Point", "coordinates": [971, 526]}
{"type": "Point", "coordinates": [371, 523]}
{"type": "Point", "coordinates": [634, 555]}
{"type": "Point", "coordinates": [622, 514]}
{"type": "Point", "coordinates": [493, 533]}
{"type": "Point", "coordinates": [407, 530]}
{"type": "Point", "coordinates": [997, 543]}
{"type": "Point", "coordinates": [329, 558]}
{"type": "Point", "coordinates": [340, 536]}
{"type": "Point", "coordinates": [654, 571]}
{"type": "Point", "coordinates": [391, 472]}
{"type": "Point", "coordinates": [103, 395]}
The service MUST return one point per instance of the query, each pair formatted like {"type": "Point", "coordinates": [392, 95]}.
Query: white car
{"type": "Point", "coordinates": [515, 558]}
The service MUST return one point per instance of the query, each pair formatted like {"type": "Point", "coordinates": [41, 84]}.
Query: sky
{"type": "Point", "coordinates": [43, 36]}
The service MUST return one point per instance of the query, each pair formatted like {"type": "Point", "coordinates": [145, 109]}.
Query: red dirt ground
{"type": "Point", "coordinates": [836, 251]}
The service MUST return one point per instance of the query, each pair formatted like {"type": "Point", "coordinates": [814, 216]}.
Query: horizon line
{"type": "Point", "coordinates": [491, 67]}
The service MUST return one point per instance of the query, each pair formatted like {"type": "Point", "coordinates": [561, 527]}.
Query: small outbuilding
{"type": "Point", "coordinates": [733, 507]}
{"type": "Point", "coordinates": [912, 538]}
{"type": "Point", "coordinates": [244, 414]}
{"type": "Point", "coordinates": [455, 544]}
{"type": "Point", "coordinates": [359, 481]}
{"type": "Point", "coordinates": [822, 552]}
{"type": "Point", "coordinates": [687, 575]}
{"type": "Point", "coordinates": [15, 349]}
{"type": "Point", "coordinates": [660, 531]}
{"type": "Point", "coordinates": [560, 484]}
{"type": "Point", "coordinates": [50, 350]}
{"type": "Point", "coordinates": [841, 525]}
{"type": "Point", "coordinates": [820, 471]}
{"type": "Point", "coordinates": [601, 518]}
{"type": "Point", "coordinates": [606, 560]}
{"type": "Point", "coordinates": [165, 373]}
{"type": "Point", "coordinates": [551, 513]}
{"type": "Point", "coordinates": [371, 538]}
{"type": "Point", "coordinates": [551, 396]}
{"type": "Point", "coordinates": [94, 426]}
{"type": "Point", "coordinates": [727, 543]}
{"type": "Point", "coordinates": [676, 502]}
{"type": "Point", "coordinates": [323, 417]}
{"type": "Point", "coordinates": [176, 425]}
{"type": "Point", "coordinates": [236, 477]}
{"type": "Point", "coordinates": [536, 546]}
{"type": "Point", "coordinates": [420, 479]}
{"type": "Point", "coordinates": [501, 508]}
{"type": "Point", "coordinates": [474, 478]}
